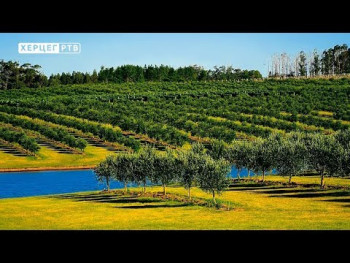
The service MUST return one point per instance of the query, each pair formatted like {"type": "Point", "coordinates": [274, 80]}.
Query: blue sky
{"type": "Point", "coordinates": [245, 51]}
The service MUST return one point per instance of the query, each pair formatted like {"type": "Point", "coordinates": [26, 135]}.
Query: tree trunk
{"type": "Point", "coordinates": [189, 193]}
{"type": "Point", "coordinates": [248, 173]}
{"type": "Point", "coordinates": [164, 189]}
{"type": "Point", "coordinates": [322, 180]}
{"type": "Point", "coordinates": [290, 179]}
{"type": "Point", "coordinates": [214, 197]}
{"type": "Point", "coordinates": [238, 172]}
{"type": "Point", "coordinates": [263, 177]}
{"type": "Point", "coordinates": [144, 187]}
{"type": "Point", "coordinates": [125, 188]}
{"type": "Point", "coordinates": [107, 182]}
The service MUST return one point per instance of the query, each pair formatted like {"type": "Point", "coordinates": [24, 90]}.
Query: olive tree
{"type": "Point", "coordinates": [192, 165]}
{"type": "Point", "coordinates": [291, 156]}
{"type": "Point", "coordinates": [264, 154]}
{"type": "Point", "coordinates": [123, 168]}
{"type": "Point", "coordinates": [213, 177]}
{"type": "Point", "coordinates": [343, 138]}
{"type": "Point", "coordinates": [218, 149]}
{"type": "Point", "coordinates": [104, 172]}
{"type": "Point", "coordinates": [143, 166]}
{"type": "Point", "coordinates": [323, 155]}
{"type": "Point", "coordinates": [238, 155]}
{"type": "Point", "coordinates": [248, 156]}
{"type": "Point", "coordinates": [164, 169]}
{"type": "Point", "coordinates": [197, 148]}
{"type": "Point", "coordinates": [81, 144]}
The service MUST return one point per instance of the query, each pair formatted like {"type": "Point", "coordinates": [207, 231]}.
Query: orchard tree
{"type": "Point", "coordinates": [197, 148]}
{"type": "Point", "coordinates": [264, 153]}
{"type": "Point", "coordinates": [193, 164]}
{"type": "Point", "coordinates": [144, 166]}
{"type": "Point", "coordinates": [322, 154]}
{"type": "Point", "coordinates": [218, 148]}
{"type": "Point", "coordinates": [164, 169]}
{"type": "Point", "coordinates": [238, 155]}
{"type": "Point", "coordinates": [343, 138]}
{"type": "Point", "coordinates": [81, 144]}
{"type": "Point", "coordinates": [249, 156]}
{"type": "Point", "coordinates": [122, 168]}
{"type": "Point", "coordinates": [103, 171]}
{"type": "Point", "coordinates": [213, 178]}
{"type": "Point", "coordinates": [291, 156]}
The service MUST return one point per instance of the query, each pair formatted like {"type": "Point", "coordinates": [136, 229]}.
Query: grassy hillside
{"type": "Point", "coordinates": [130, 115]}
{"type": "Point", "coordinates": [51, 158]}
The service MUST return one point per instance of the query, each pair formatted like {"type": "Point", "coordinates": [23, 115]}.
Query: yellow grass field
{"type": "Point", "coordinates": [50, 158]}
{"type": "Point", "coordinates": [255, 207]}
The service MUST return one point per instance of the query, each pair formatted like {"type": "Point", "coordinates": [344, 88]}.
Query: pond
{"type": "Point", "coordinates": [21, 184]}
{"type": "Point", "coordinates": [244, 173]}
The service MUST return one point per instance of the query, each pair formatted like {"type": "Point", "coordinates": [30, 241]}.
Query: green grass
{"type": "Point", "coordinates": [333, 181]}
{"type": "Point", "coordinates": [255, 207]}
{"type": "Point", "coordinates": [51, 158]}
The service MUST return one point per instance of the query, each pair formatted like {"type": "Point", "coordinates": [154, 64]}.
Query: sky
{"type": "Point", "coordinates": [240, 50]}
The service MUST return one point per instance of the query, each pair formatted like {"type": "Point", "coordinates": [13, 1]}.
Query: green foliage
{"type": "Point", "coordinates": [213, 178]}
{"type": "Point", "coordinates": [166, 169]}
{"type": "Point", "coordinates": [291, 157]}
{"type": "Point", "coordinates": [241, 155]}
{"type": "Point", "coordinates": [104, 172]}
{"type": "Point", "coordinates": [217, 150]}
{"type": "Point", "coordinates": [264, 154]}
{"type": "Point", "coordinates": [57, 134]}
{"type": "Point", "coordinates": [19, 137]}
{"type": "Point", "coordinates": [172, 166]}
{"type": "Point", "coordinates": [14, 76]}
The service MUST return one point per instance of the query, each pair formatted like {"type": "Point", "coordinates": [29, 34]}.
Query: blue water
{"type": "Point", "coordinates": [50, 182]}
{"type": "Point", "coordinates": [244, 173]}
{"type": "Point", "coordinates": [23, 184]}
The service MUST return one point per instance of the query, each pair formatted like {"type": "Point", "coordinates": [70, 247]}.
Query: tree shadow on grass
{"type": "Point", "coordinates": [295, 192]}
{"type": "Point", "coordinates": [340, 200]}
{"type": "Point", "coordinates": [320, 193]}
{"type": "Point", "coordinates": [289, 191]}
{"type": "Point", "coordinates": [152, 206]}
{"type": "Point", "coordinates": [247, 185]}
{"type": "Point", "coordinates": [108, 198]}
{"type": "Point", "coordinates": [253, 188]}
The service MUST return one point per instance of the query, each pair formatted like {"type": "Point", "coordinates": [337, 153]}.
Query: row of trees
{"type": "Point", "coordinates": [57, 134]}
{"type": "Point", "coordinates": [189, 168]}
{"type": "Point", "coordinates": [332, 61]}
{"type": "Point", "coordinates": [291, 155]}
{"type": "Point", "coordinates": [102, 131]}
{"type": "Point", "coordinates": [21, 138]}
{"type": "Point", "coordinates": [14, 75]}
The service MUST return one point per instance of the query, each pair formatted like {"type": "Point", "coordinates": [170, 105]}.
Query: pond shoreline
{"type": "Point", "coordinates": [37, 169]}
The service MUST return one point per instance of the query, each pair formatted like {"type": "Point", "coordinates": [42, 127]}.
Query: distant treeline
{"type": "Point", "coordinates": [131, 73]}
{"type": "Point", "coordinates": [13, 75]}
{"type": "Point", "coordinates": [332, 61]}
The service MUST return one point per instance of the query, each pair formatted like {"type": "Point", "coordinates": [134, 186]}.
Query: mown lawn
{"type": "Point", "coordinates": [256, 207]}
{"type": "Point", "coordinates": [51, 158]}
{"type": "Point", "coordinates": [329, 181]}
